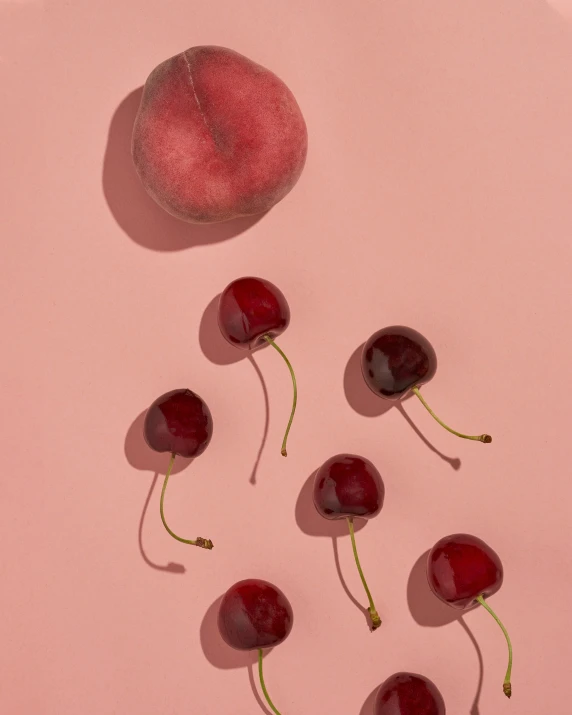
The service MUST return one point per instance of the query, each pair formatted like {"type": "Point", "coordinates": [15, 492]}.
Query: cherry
{"type": "Point", "coordinates": [348, 486]}
{"type": "Point", "coordinates": [255, 615]}
{"type": "Point", "coordinates": [408, 694]}
{"type": "Point", "coordinates": [179, 422]}
{"type": "Point", "coordinates": [398, 360]}
{"type": "Point", "coordinates": [253, 312]}
{"type": "Point", "coordinates": [462, 570]}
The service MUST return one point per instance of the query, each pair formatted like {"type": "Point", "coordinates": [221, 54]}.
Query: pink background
{"type": "Point", "coordinates": [437, 195]}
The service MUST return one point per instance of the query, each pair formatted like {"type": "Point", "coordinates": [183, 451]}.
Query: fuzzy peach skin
{"type": "Point", "coordinates": [217, 136]}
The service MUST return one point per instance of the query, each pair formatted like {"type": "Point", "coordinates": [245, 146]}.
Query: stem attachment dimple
{"type": "Point", "coordinates": [295, 398]}
{"type": "Point", "coordinates": [263, 685]}
{"type": "Point", "coordinates": [486, 438]}
{"type": "Point", "coordinates": [375, 619]}
{"type": "Point", "coordinates": [507, 688]}
{"type": "Point", "coordinates": [199, 541]}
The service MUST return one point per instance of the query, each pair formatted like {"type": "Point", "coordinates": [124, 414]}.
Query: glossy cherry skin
{"type": "Point", "coordinates": [254, 614]}
{"type": "Point", "coordinates": [179, 422]}
{"type": "Point", "coordinates": [408, 694]}
{"type": "Point", "coordinates": [461, 567]}
{"type": "Point", "coordinates": [347, 485]}
{"type": "Point", "coordinates": [395, 359]}
{"type": "Point", "coordinates": [249, 309]}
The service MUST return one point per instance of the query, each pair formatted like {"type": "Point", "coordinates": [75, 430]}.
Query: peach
{"type": "Point", "coordinates": [217, 136]}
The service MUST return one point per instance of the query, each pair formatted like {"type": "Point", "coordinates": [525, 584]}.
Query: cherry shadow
{"type": "Point", "coordinates": [454, 462]}
{"type": "Point", "coordinates": [311, 523]}
{"type": "Point", "coordinates": [222, 656]}
{"type": "Point", "coordinates": [142, 457]}
{"type": "Point", "coordinates": [220, 352]}
{"type": "Point", "coordinates": [266, 420]}
{"type": "Point", "coordinates": [349, 594]}
{"type": "Point", "coordinates": [143, 220]}
{"type": "Point", "coordinates": [172, 566]}
{"type": "Point", "coordinates": [216, 651]}
{"type": "Point", "coordinates": [261, 704]}
{"type": "Point", "coordinates": [475, 710]}
{"type": "Point", "coordinates": [368, 707]}
{"type": "Point", "coordinates": [215, 348]}
{"type": "Point", "coordinates": [360, 398]}
{"type": "Point", "coordinates": [428, 611]}
{"type": "Point", "coordinates": [363, 401]}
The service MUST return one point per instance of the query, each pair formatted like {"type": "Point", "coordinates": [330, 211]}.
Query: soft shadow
{"type": "Point", "coordinates": [216, 651]}
{"type": "Point", "coordinates": [455, 462]}
{"type": "Point", "coordinates": [367, 707]}
{"type": "Point", "coordinates": [475, 706]}
{"type": "Point", "coordinates": [220, 352]}
{"type": "Point", "coordinates": [215, 348]}
{"type": "Point", "coordinates": [222, 656]}
{"type": "Point", "coordinates": [427, 610]}
{"type": "Point", "coordinates": [261, 704]}
{"type": "Point", "coordinates": [311, 523]}
{"type": "Point", "coordinates": [142, 457]}
{"type": "Point", "coordinates": [144, 221]}
{"type": "Point", "coordinates": [366, 403]}
{"type": "Point", "coordinates": [359, 396]}
{"type": "Point", "coordinates": [266, 420]}
{"type": "Point", "coordinates": [349, 594]}
{"type": "Point", "coordinates": [171, 567]}
{"type": "Point", "coordinates": [425, 607]}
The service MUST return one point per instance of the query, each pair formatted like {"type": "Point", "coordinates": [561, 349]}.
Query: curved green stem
{"type": "Point", "coordinates": [375, 619]}
{"type": "Point", "coordinates": [295, 398]}
{"type": "Point", "coordinates": [507, 688]}
{"type": "Point", "coordinates": [263, 685]}
{"type": "Point", "coordinates": [199, 541]}
{"type": "Point", "coordinates": [486, 438]}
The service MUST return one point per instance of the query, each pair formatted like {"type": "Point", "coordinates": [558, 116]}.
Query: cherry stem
{"type": "Point", "coordinates": [507, 688]}
{"type": "Point", "coordinates": [375, 619]}
{"type": "Point", "coordinates": [199, 541]}
{"type": "Point", "coordinates": [263, 685]}
{"type": "Point", "coordinates": [294, 400]}
{"type": "Point", "coordinates": [486, 438]}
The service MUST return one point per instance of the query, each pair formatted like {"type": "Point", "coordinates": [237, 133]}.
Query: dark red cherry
{"type": "Point", "coordinates": [249, 309]}
{"type": "Point", "coordinates": [462, 571]}
{"type": "Point", "coordinates": [461, 567]}
{"type": "Point", "coordinates": [254, 614]}
{"type": "Point", "coordinates": [254, 312]}
{"type": "Point", "coordinates": [179, 422]}
{"type": "Point", "coordinates": [346, 486]}
{"type": "Point", "coordinates": [408, 694]}
{"type": "Point", "coordinates": [396, 359]}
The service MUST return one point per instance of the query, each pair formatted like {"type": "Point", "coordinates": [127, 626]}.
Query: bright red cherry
{"type": "Point", "coordinates": [253, 312]}
{"type": "Point", "coordinates": [348, 486]}
{"type": "Point", "coordinates": [398, 360]}
{"type": "Point", "coordinates": [408, 694]}
{"type": "Point", "coordinates": [255, 615]}
{"type": "Point", "coordinates": [462, 570]}
{"type": "Point", "coordinates": [179, 422]}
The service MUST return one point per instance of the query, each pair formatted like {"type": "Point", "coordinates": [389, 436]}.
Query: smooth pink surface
{"type": "Point", "coordinates": [437, 195]}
